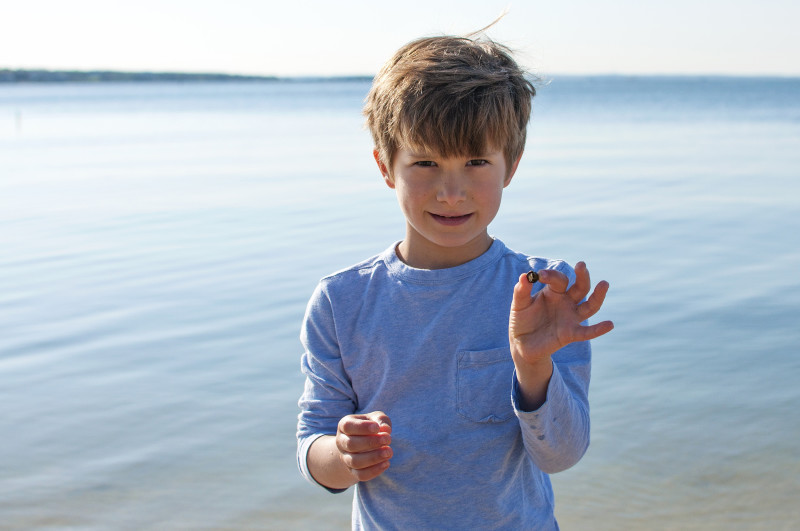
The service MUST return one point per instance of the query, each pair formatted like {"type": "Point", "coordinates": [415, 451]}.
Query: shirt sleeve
{"type": "Point", "coordinates": [328, 394]}
{"type": "Point", "coordinates": [556, 435]}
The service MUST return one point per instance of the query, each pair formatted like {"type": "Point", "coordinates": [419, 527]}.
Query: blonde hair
{"type": "Point", "coordinates": [450, 95]}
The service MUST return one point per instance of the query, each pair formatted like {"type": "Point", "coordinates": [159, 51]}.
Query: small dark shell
{"type": "Point", "coordinates": [532, 276]}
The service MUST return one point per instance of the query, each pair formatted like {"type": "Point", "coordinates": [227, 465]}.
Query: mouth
{"type": "Point", "coordinates": [451, 220]}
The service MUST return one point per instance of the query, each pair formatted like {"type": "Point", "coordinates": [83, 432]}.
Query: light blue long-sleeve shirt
{"type": "Point", "coordinates": [430, 349]}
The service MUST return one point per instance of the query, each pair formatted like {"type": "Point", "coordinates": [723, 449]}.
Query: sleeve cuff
{"type": "Point", "coordinates": [302, 461]}
{"type": "Point", "coordinates": [556, 393]}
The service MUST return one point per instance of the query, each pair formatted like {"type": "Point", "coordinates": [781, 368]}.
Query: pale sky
{"type": "Point", "coordinates": [324, 38]}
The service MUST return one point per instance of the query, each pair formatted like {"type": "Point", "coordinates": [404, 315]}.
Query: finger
{"type": "Point", "coordinates": [522, 294]}
{"type": "Point", "coordinates": [594, 302]}
{"type": "Point", "coordinates": [582, 283]}
{"type": "Point", "coordinates": [555, 280]}
{"type": "Point", "coordinates": [364, 432]}
{"type": "Point", "coordinates": [362, 443]}
{"type": "Point", "coordinates": [362, 424]}
{"type": "Point", "coordinates": [360, 461]}
{"type": "Point", "coordinates": [371, 472]}
{"type": "Point", "coordinates": [586, 333]}
{"type": "Point", "coordinates": [383, 420]}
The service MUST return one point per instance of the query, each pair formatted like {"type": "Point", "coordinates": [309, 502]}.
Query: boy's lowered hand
{"type": "Point", "coordinates": [541, 324]}
{"type": "Point", "coordinates": [363, 443]}
{"type": "Point", "coordinates": [358, 452]}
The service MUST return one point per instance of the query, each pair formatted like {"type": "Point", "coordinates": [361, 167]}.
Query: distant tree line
{"type": "Point", "coordinates": [101, 76]}
{"type": "Point", "coordinates": [62, 76]}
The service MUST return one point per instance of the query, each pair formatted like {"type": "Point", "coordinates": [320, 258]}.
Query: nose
{"type": "Point", "coordinates": [452, 188]}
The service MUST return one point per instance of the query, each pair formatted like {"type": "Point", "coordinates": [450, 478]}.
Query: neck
{"type": "Point", "coordinates": [432, 256]}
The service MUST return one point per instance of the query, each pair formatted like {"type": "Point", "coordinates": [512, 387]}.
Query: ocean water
{"type": "Point", "coordinates": [158, 244]}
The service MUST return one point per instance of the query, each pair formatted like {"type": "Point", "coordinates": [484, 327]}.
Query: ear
{"type": "Point", "coordinates": [387, 177]}
{"type": "Point", "coordinates": [511, 171]}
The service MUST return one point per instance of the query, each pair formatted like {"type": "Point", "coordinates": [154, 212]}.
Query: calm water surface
{"type": "Point", "coordinates": [158, 244]}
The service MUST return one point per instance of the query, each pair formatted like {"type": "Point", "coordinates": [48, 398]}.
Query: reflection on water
{"type": "Point", "coordinates": [159, 243]}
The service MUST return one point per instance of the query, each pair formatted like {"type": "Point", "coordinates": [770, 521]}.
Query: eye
{"type": "Point", "coordinates": [477, 162]}
{"type": "Point", "coordinates": [425, 163]}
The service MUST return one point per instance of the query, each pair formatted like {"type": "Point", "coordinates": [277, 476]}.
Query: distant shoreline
{"type": "Point", "coordinates": [106, 76]}
{"type": "Point", "coordinates": [11, 76]}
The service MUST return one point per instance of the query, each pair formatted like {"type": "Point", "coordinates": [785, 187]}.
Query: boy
{"type": "Point", "coordinates": [412, 357]}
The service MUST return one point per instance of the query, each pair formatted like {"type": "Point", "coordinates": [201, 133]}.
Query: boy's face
{"type": "Point", "coordinates": [448, 204]}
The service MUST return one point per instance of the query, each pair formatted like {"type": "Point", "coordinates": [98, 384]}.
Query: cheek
{"type": "Point", "coordinates": [405, 198]}
{"type": "Point", "coordinates": [411, 192]}
{"type": "Point", "coordinates": [489, 194]}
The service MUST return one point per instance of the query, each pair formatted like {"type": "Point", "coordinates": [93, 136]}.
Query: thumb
{"type": "Point", "coordinates": [522, 293]}
{"type": "Point", "coordinates": [383, 420]}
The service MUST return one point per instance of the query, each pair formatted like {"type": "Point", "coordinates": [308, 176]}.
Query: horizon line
{"type": "Point", "coordinates": [44, 75]}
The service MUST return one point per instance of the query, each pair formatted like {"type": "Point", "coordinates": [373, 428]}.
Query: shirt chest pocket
{"type": "Point", "coordinates": [483, 385]}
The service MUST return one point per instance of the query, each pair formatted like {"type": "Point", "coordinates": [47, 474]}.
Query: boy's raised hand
{"type": "Point", "coordinates": [541, 324]}
{"type": "Point", "coordinates": [363, 442]}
